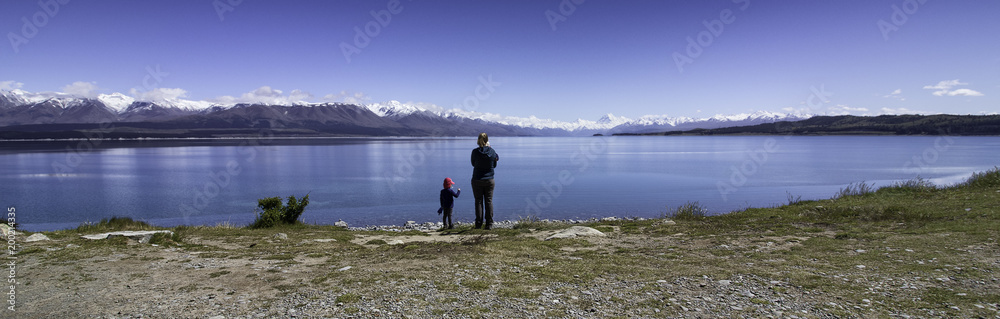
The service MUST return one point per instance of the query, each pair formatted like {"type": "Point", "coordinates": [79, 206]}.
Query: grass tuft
{"type": "Point", "coordinates": [114, 224]}
{"type": "Point", "coordinates": [688, 211]}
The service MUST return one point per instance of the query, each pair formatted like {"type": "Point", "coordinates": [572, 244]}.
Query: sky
{"type": "Point", "coordinates": [554, 59]}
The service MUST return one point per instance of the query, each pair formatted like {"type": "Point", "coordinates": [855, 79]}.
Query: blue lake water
{"type": "Point", "coordinates": [380, 181]}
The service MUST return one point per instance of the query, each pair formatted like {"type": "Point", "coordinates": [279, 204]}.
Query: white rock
{"type": "Point", "coordinates": [5, 230]}
{"type": "Point", "coordinates": [36, 237]}
{"type": "Point", "coordinates": [141, 236]}
{"type": "Point", "coordinates": [340, 223]}
{"type": "Point", "coordinates": [281, 236]}
{"type": "Point", "coordinates": [394, 242]}
{"type": "Point", "coordinates": [576, 231]}
{"type": "Point", "coordinates": [324, 240]}
{"type": "Point", "coordinates": [344, 269]}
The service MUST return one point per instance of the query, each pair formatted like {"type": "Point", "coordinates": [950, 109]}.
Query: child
{"type": "Point", "coordinates": [448, 202]}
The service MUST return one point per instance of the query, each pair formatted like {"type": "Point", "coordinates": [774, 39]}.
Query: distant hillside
{"type": "Point", "coordinates": [863, 125]}
{"type": "Point", "coordinates": [54, 115]}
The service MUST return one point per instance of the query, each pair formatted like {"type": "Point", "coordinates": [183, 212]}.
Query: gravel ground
{"type": "Point", "coordinates": [148, 281]}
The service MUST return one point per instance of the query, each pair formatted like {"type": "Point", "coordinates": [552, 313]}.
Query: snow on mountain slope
{"type": "Point", "coordinates": [116, 101]}
{"type": "Point", "coordinates": [126, 107]}
{"type": "Point", "coordinates": [393, 109]}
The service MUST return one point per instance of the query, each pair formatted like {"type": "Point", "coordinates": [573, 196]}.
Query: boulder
{"type": "Point", "coordinates": [5, 230]}
{"type": "Point", "coordinates": [340, 223]}
{"type": "Point", "coordinates": [36, 237]}
{"type": "Point", "coordinates": [142, 236]}
{"type": "Point", "coordinates": [280, 236]}
{"type": "Point", "coordinates": [576, 231]}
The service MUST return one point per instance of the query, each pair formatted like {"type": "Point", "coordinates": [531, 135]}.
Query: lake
{"type": "Point", "coordinates": [388, 181]}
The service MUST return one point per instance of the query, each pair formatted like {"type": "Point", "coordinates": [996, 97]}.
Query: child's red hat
{"type": "Point", "coordinates": [448, 182]}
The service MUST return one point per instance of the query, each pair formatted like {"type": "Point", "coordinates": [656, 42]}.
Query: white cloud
{"type": "Point", "coordinates": [267, 95]}
{"type": "Point", "coordinates": [944, 88]}
{"type": "Point", "coordinates": [897, 94]}
{"type": "Point", "coordinates": [902, 110]}
{"type": "Point", "coordinates": [82, 89]}
{"type": "Point", "coordinates": [347, 97]}
{"type": "Point", "coordinates": [10, 85]}
{"type": "Point", "coordinates": [159, 94]}
{"type": "Point", "coordinates": [299, 95]}
{"type": "Point", "coordinates": [841, 109]}
{"type": "Point", "coordinates": [964, 92]}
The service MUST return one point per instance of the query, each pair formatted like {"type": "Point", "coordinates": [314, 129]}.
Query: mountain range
{"type": "Point", "coordinates": [26, 115]}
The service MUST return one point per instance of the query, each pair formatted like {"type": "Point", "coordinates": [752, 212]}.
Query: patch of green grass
{"type": "Point", "coordinates": [280, 257]}
{"type": "Point", "coordinates": [114, 224]}
{"type": "Point", "coordinates": [349, 298]}
{"type": "Point", "coordinates": [688, 211]}
{"type": "Point", "coordinates": [476, 284]}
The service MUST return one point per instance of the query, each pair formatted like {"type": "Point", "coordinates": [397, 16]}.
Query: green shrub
{"type": "Point", "coordinates": [859, 189]}
{"type": "Point", "coordinates": [688, 211]}
{"type": "Point", "coordinates": [114, 224]}
{"type": "Point", "coordinates": [987, 179]}
{"type": "Point", "coordinates": [273, 213]}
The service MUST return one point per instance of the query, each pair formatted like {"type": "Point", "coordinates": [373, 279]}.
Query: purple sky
{"type": "Point", "coordinates": [826, 57]}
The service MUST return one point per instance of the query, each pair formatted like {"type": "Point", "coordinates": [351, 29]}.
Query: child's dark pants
{"type": "Point", "coordinates": [446, 217]}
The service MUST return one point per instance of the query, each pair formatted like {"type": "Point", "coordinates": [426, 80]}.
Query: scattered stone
{"type": "Point", "coordinates": [36, 237]}
{"type": "Point", "coordinates": [576, 231]}
{"type": "Point", "coordinates": [344, 268]}
{"type": "Point", "coordinates": [324, 240]}
{"type": "Point", "coordinates": [281, 236]}
{"type": "Point", "coordinates": [394, 242]}
{"type": "Point", "coordinates": [725, 282]}
{"type": "Point", "coordinates": [142, 236]}
{"type": "Point", "coordinates": [5, 230]}
{"type": "Point", "coordinates": [860, 266]}
{"type": "Point", "coordinates": [218, 317]}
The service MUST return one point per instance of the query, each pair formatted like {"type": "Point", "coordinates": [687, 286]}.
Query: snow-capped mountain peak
{"type": "Point", "coordinates": [116, 101]}
{"type": "Point", "coordinates": [393, 109]}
